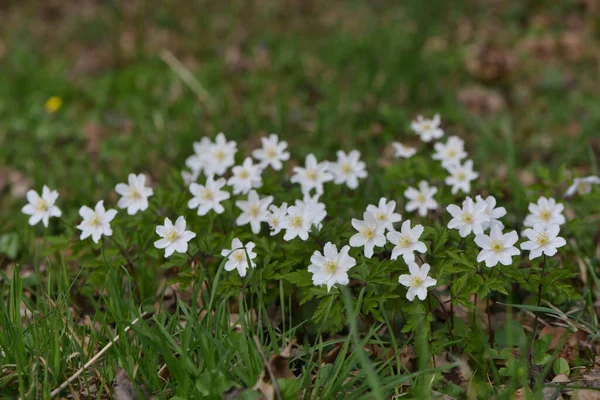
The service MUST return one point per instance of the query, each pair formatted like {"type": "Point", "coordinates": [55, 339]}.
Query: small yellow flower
{"type": "Point", "coordinates": [53, 104]}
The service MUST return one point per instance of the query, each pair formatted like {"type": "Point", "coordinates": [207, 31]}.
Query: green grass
{"type": "Point", "coordinates": [324, 76]}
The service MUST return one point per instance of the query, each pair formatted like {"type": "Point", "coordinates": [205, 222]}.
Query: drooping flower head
{"type": "Point", "coordinates": [403, 151]}
{"type": "Point", "coordinates": [41, 208]}
{"type": "Point", "coordinates": [582, 185]}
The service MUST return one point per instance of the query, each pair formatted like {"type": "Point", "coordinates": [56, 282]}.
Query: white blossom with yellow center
{"type": "Point", "coordinates": [427, 129]}
{"type": "Point", "coordinates": [406, 242]}
{"type": "Point", "coordinates": [219, 156]}
{"type": "Point", "coordinates": [418, 281]}
{"type": "Point", "coordinates": [174, 237]}
{"type": "Point", "coordinates": [298, 222]}
{"type": "Point", "coordinates": [450, 153]}
{"type": "Point", "coordinates": [582, 186]}
{"type": "Point", "coordinates": [254, 210]}
{"type": "Point", "coordinates": [96, 222]}
{"type": "Point", "coordinates": [385, 212]}
{"type": "Point", "coordinates": [497, 247]}
{"type": "Point", "coordinates": [134, 194]}
{"type": "Point", "coordinates": [494, 213]}
{"type": "Point", "coordinates": [348, 169]}
{"type": "Point", "coordinates": [370, 233]}
{"type": "Point", "coordinates": [543, 239]}
{"type": "Point", "coordinates": [421, 199]}
{"type": "Point", "coordinates": [546, 212]}
{"type": "Point", "coordinates": [41, 208]}
{"type": "Point", "coordinates": [245, 177]}
{"type": "Point", "coordinates": [469, 218]}
{"type": "Point", "coordinates": [239, 257]}
{"type": "Point", "coordinates": [276, 217]}
{"type": "Point", "coordinates": [402, 151]}
{"type": "Point", "coordinates": [331, 267]}
{"type": "Point", "coordinates": [273, 152]}
{"type": "Point", "coordinates": [461, 176]}
{"type": "Point", "coordinates": [312, 176]}
{"type": "Point", "coordinates": [208, 196]}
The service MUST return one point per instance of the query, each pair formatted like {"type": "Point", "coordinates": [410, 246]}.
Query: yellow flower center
{"type": "Point", "coordinates": [135, 194]}
{"type": "Point", "coordinates": [330, 266]}
{"type": "Point", "coordinates": [420, 198]}
{"type": "Point", "coordinates": [207, 194]}
{"type": "Point", "coordinates": [171, 235]}
{"type": "Point", "coordinates": [41, 205]}
{"type": "Point", "coordinates": [542, 238]}
{"type": "Point", "coordinates": [426, 125]}
{"type": "Point", "coordinates": [461, 176]}
{"type": "Point", "coordinates": [274, 221]}
{"type": "Point", "coordinates": [415, 281]}
{"type": "Point", "coordinates": [381, 217]}
{"type": "Point", "coordinates": [545, 215]}
{"type": "Point", "coordinates": [346, 168]}
{"type": "Point", "coordinates": [95, 220]}
{"type": "Point", "coordinates": [404, 241]}
{"type": "Point", "coordinates": [238, 255]}
{"type": "Point", "coordinates": [584, 187]}
{"type": "Point", "coordinates": [270, 152]}
{"type": "Point", "coordinates": [451, 153]}
{"type": "Point", "coordinates": [467, 218]}
{"type": "Point", "coordinates": [311, 175]}
{"type": "Point", "coordinates": [496, 245]}
{"type": "Point", "coordinates": [243, 174]}
{"type": "Point", "coordinates": [219, 155]}
{"type": "Point", "coordinates": [296, 221]}
{"type": "Point", "coordinates": [253, 211]}
{"type": "Point", "coordinates": [368, 233]}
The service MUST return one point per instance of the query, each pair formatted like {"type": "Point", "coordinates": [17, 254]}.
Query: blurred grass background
{"type": "Point", "coordinates": [517, 79]}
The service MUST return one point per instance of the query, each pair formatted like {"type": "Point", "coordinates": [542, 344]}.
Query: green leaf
{"type": "Point", "coordinates": [561, 366]}
{"type": "Point", "coordinates": [9, 244]}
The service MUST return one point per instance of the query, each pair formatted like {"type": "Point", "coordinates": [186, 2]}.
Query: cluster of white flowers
{"type": "Point", "coordinates": [214, 159]}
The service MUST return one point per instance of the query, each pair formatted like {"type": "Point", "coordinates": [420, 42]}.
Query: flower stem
{"type": "Point", "coordinates": [446, 314]}
{"type": "Point", "coordinates": [539, 302]}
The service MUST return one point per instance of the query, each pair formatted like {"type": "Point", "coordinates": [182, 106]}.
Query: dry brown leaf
{"type": "Point", "coordinates": [122, 387]}
{"type": "Point", "coordinates": [585, 394]}
{"type": "Point", "coordinates": [279, 369]}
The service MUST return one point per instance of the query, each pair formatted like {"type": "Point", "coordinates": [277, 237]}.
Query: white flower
{"type": "Point", "coordinates": [461, 176]}
{"type": "Point", "coordinates": [370, 233]}
{"type": "Point", "coordinates": [189, 177]}
{"type": "Point", "coordinates": [96, 222]}
{"type": "Point", "coordinates": [317, 209]}
{"type": "Point", "coordinates": [421, 199]}
{"type": "Point", "coordinates": [254, 210]}
{"type": "Point", "coordinates": [272, 152]}
{"type": "Point", "coordinates": [348, 169]}
{"type": "Point", "coordinates": [582, 185]}
{"type": "Point", "coordinates": [208, 196]}
{"type": "Point", "coordinates": [220, 156]}
{"type": "Point", "coordinates": [407, 242]}
{"type": "Point", "coordinates": [403, 151]}
{"type": "Point", "coordinates": [312, 176]}
{"type": "Point", "coordinates": [236, 256]}
{"type": "Point", "coordinates": [196, 161]}
{"type": "Point", "coordinates": [331, 267]}
{"type": "Point", "coordinates": [298, 222]}
{"type": "Point", "coordinates": [427, 129]}
{"type": "Point", "coordinates": [545, 212]}
{"type": "Point", "coordinates": [173, 237]}
{"type": "Point", "coordinates": [277, 217]}
{"type": "Point", "coordinates": [417, 282]}
{"type": "Point", "coordinates": [385, 213]}
{"type": "Point", "coordinates": [451, 152]}
{"type": "Point", "coordinates": [494, 213]}
{"type": "Point", "coordinates": [41, 208]}
{"type": "Point", "coordinates": [543, 239]}
{"type": "Point", "coordinates": [468, 219]}
{"type": "Point", "coordinates": [497, 247]}
{"type": "Point", "coordinates": [245, 177]}
{"type": "Point", "coordinates": [134, 196]}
